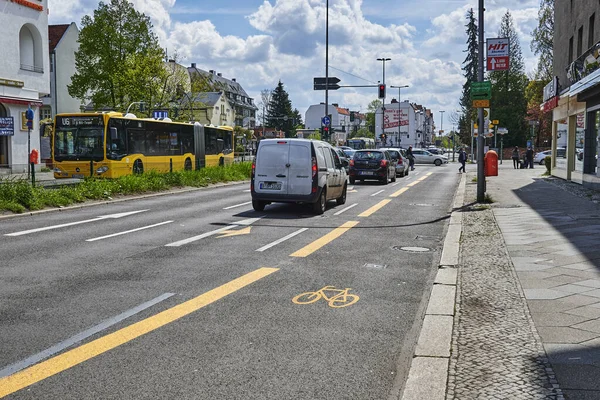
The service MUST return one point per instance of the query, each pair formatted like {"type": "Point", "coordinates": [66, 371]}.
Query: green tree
{"type": "Point", "coordinates": [470, 68]}
{"type": "Point", "coordinates": [543, 40]}
{"type": "Point", "coordinates": [370, 116]}
{"type": "Point", "coordinates": [508, 104]}
{"type": "Point", "coordinates": [279, 114]}
{"type": "Point", "coordinates": [119, 58]}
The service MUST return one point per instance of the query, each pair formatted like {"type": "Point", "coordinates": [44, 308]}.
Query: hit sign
{"type": "Point", "coordinates": [497, 54]}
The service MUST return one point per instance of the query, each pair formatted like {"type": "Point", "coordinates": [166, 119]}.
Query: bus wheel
{"type": "Point", "coordinates": [188, 164]}
{"type": "Point", "coordinates": [138, 167]}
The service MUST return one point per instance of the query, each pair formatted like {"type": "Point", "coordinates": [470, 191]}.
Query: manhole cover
{"type": "Point", "coordinates": [376, 266]}
{"type": "Point", "coordinates": [412, 249]}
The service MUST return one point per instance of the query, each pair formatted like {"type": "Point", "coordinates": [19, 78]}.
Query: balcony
{"type": "Point", "coordinates": [32, 68]}
{"type": "Point", "coordinates": [583, 66]}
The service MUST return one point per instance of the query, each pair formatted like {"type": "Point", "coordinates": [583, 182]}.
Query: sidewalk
{"type": "Point", "coordinates": [527, 317]}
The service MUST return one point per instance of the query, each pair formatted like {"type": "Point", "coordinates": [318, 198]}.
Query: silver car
{"type": "Point", "coordinates": [422, 156]}
{"type": "Point", "coordinates": [541, 156]}
{"type": "Point", "coordinates": [402, 166]}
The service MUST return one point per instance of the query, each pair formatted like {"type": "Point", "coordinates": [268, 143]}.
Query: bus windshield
{"type": "Point", "coordinates": [79, 138]}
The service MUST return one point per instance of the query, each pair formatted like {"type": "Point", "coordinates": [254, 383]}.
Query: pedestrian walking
{"type": "Point", "coordinates": [411, 158]}
{"type": "Point", "coordinates": [529, 158]}
{"type": "Point", "coordinates": [462, 159]}
{"type": "Point", "coordinates": [516, 157]}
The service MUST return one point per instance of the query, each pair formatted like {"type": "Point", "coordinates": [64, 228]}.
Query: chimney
{"type": "Point", "coordinates": [219, 74]}
{"type": "Point", "coordinates": [193, 65]}
{"type": "Point", "coordinates": [335, 104]}
{"type": "Point", "coordinates": [212, 71]}
{"type": "Point", "coordinates": [233, 79]}
{"type": "Point", "coordinates": [171, 60]}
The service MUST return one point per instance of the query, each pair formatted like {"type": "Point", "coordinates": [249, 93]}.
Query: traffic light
{"type": "Point", "coordinates": [381, 91]}
{"type": "Point", "coordinates": [325, 133]}
{"type": "Point", "coordinates": [351, 116]}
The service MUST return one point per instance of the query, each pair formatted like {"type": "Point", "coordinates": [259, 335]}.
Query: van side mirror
{"type": "Point", "coordinates": [114, 135]}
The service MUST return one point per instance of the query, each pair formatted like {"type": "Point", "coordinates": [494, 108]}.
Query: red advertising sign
{"type": "Point", "coordinates": [497, 63]}
{"type": "Point", "coordinates": [550, 104]}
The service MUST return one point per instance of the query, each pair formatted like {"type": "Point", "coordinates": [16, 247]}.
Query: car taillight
{"type": "Point", "coordinates": [314, 167]}
{"type": "Point", "coordinates": [383, 163]}
{"type": "Point", "coordinates": [400, 161]}
{"type": "Point", "coordinates": [253, 167]}
{"type": "Point", "coordinates": [352, 162]}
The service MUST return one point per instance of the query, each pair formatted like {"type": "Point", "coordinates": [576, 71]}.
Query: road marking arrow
{"type": "Point", "coordinates": [47, 228]}
{"type": "Point", "coordinates": [243, 231]}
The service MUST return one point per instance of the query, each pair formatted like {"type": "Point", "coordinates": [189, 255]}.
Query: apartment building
{"type": "Point", "coordinates": [24, 78]}
{"type": "Point", "coordinates": [573, 95]}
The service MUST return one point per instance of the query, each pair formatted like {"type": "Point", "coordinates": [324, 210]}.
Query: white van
{"type": "Point", "coordinates": [297, 171]}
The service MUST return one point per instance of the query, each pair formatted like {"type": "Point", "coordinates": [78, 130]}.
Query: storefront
{"type": "Point", "coordinates": [15, 138]}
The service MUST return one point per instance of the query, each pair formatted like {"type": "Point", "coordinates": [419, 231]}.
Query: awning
{"type": "Point", "coordinates": [589, 81]}
{"type": "Point", "coordinates": [21, 101]}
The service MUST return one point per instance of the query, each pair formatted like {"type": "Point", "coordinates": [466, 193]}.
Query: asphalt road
{"type": "Point", "coordinates": [224, 320]}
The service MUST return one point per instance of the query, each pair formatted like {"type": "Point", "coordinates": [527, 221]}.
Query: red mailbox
{"type": "Point", "coordinates": [490, 163]}
{"type": "Point", "coordinates": [34, 156]}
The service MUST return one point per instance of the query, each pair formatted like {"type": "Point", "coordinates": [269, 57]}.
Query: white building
{"type": "Point", "coordinates": [405, 124]}
{"type": "Point", "coordinates": [63, 45]}
{"type": "Point", "coordinates": [340, 120]}
{"type": "Point", "coordinates": [24, 77]}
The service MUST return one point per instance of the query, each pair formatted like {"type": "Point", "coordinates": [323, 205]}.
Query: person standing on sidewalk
{"type": "Point", "coordinates": [411, 158]}
{"type": "Point", "coordinates": [529, 158]}
{"type": "Point", "coordinates": [462, 159]}
{"type": "Point", "coordinates": [516, 157]}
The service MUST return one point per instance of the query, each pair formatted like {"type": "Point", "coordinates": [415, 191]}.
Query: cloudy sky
{"type": "Point", "coordinates": [260, 42]}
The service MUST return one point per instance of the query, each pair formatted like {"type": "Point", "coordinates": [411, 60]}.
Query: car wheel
{"type": "Point", "coordinates": [138, 167]}
{"type": "Point", "coordinates": [258, 205]}
{"type": "Point", "coordinates": [320, 205]}
{"type": "Point", "coordinates": [438, 162]}
{"type": "Point", "coordinates": [342, 199]}
{"type": "Point", "coordinates": [542, 162]}
{"type": "Point", "coordinates": [352, 181]}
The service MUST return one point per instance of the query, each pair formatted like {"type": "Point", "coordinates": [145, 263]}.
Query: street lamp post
{"type": "Point", "coordinates": [399, 109]}
{"type": "Point", "coordinates": [383, 104]}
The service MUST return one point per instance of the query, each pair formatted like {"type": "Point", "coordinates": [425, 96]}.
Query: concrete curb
{"type": "Point", "coordinates": [428, 374]}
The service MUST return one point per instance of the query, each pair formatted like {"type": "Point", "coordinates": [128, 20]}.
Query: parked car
{"type": "Point", "coordinates": [423, 156]}
{"type": "Point", "coordinates": [435, 150]}
{"type": "Point", "coordinates": [348, 152]}
{"type": "Point", "coordinates": [541, 156]}
{"type": "Point", "coordinates": [402, 166]}
{"type": "Point", "coordinates": [297, 171]}
{"type": "Point", "coordinates": [372, 164]}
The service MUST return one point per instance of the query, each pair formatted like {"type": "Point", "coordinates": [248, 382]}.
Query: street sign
{"type": "Point", "coordinates": [325, 120]}
{"type": "Point", "coordinates": [498, 54]}
{"type": "Point", "coordinates": [495, 122]}
{"type": "Point", "coordinates": [497, 63]}
{"type": "Point", "coordinates": [481, 103]}
{"type": "Point", "coordinates": [321, 83]}
{"type": "Point", "coordinates": [160, 114]}
{"type": "Point", "coordinates": [502, 131]}
{"type": "Point", "coordinates": [481, 90]}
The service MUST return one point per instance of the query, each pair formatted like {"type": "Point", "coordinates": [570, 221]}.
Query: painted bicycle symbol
{"type": "Point", "coordinates": [336, 298]}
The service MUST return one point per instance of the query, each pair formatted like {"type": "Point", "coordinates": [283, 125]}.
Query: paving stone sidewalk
{"type": "Point", "coordinates": [527, 323]}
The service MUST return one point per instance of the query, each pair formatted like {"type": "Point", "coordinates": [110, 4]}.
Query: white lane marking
{"type": "Point", "coordinates": [237, 205]}
{"type": "Point", "coordinates": [345, 209]}
{"type": "Point", "coordinates": [19, 365]}
{"type": "Point", "coordinates": [47, 228]}
{"type": "Point", "coordinates": [376, 193]}
{"type": "Point", "coordinates": [244, 222]}
{"type": "Point", "coordinates": [283, 239]}
{"type": "Point", "coordinates": [397, 183]}
{"type": "Point", "coordinates": [129, 231]}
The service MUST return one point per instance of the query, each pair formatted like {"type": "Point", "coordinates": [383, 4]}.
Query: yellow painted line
{"type": "Point", "coordinates": [429, 173]}
{"type": "Point", "coordinates": [413, 183]}
{"type": "Point", "coordinates": [374, 208]}
{"type": "Point", "coordinates": [399, 192]}
{"type": "Point", "coordinates": [331, 236]}
{"type": "Point", "coordinates": [422, 178]}
{"type": "Point", "coordinates": [62, 362]}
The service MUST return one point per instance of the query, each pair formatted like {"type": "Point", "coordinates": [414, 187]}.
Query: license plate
{"type": "Point", "coordinates": [78, 176]}
{"type": "Point", "coordinates": [365, 172]}
{"type": "Point", "coordinates": [270, 185]}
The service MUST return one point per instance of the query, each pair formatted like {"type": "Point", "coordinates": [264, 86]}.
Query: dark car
{"type": "Point", "coordinates": [372, 165]}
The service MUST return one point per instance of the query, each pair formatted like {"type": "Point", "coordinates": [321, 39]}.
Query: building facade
{"type": "Point", "coordinates": [573, 96]}
{"type": "Point", "coordinates": [404, 124]}
{"type": "Point", "coordinates": [24, 78]}
{"type": "Point", "coordinates": [62, 41]}
{"type": "Point", "coordinates": [210, 108]}
{"type": "Point", "coordinates": [243, 109]}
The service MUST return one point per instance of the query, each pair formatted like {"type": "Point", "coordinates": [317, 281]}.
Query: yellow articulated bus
{"type": "Point", "coordinates": [112, 145]}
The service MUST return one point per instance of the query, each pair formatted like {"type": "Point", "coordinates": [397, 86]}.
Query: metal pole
{"type": "Point", "coordinates": [501, 147]}
{"type": "Point", "coordinates": [383, 104]}
{"type": "Point", "coordinates": [480, 138]}
{"type": "Point", "coordinates": [399, 117]}
{"type": "Point", "coordinates": [28, 152]}
{"type": "Point", "coordinates": [327, 62]}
